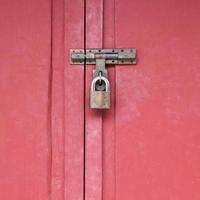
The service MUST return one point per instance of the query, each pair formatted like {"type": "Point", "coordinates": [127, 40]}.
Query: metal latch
{"type": "Point", "coordinates": [100, 94]}
{"type": "Point", "coordinates": [112, 56]}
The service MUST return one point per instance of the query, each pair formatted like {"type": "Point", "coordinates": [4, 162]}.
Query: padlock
{"type": "Point", "coordinates": [100, 99]}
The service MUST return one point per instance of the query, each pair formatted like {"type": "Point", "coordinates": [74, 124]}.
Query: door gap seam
{"type": "Point", "coordinates": [84, 105]}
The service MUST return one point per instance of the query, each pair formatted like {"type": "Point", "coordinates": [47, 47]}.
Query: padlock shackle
{"type": "Point", "coordinates": [102, 78]}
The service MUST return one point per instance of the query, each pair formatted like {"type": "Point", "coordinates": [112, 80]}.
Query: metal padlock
{"type": "Point", "coordinates": [100, 99]}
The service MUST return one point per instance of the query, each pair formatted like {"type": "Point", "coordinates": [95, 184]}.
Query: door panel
{"type": "Point", "coordinates": [25, 46]}
{"type": "Point", "coordinates": [109, 137]}
{"type": "Point", "coordinates": [42, 100]}
{"type": "Point", "coordinates": [158, 101]}
{"type": "Point", "coordinates": [93, 118]}
{"type": "Point", "coordinates": [57, 101]}
{"type": "Point", "coordinates": [74, 101]}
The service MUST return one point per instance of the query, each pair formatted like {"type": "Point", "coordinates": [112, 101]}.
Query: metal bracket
{"type": "Point", "coordinates": [101, 57]}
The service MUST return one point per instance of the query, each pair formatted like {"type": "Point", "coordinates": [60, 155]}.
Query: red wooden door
{"type": "Point", "coordinates": [25, 49]}
{"type": "Point", "coordinates": [52, 146]}
{"type": "Point", "coordinates": [150, 137]}
{"type": "Point", "coordinates": [41, 104]}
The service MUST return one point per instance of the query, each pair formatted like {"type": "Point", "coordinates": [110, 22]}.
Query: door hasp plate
{"type": "Point", "coordinates": [111, 56]}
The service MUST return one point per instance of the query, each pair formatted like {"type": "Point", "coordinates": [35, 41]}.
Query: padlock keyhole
{"type": "Point", "coordinates": [100, 85]}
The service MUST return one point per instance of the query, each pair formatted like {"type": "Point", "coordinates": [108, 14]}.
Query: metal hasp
{"type": "Point", "coordinates": [111, 56]}
{"type": "Point", "coordinates": [100, 89]}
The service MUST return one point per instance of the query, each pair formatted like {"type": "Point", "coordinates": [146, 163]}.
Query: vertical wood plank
{"type": "Point", "coordinates": [25, 137]}
{"type": "Point", "coordinates": [109, 172]}
{"type": "Point", "coordinates": [74, 101]}
{"type": "Point", "coordinates": [158, 101]}
{"type": "Point", "coordinates": [93, 128]}
{"type": "Point", "coordinates": [57, 101]}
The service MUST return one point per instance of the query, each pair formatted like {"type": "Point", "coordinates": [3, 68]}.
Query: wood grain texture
{"type": "Point", "coordinates": [74, 101]}
{"type": "Point", "coordinates": [25, 137]}
{"type": "Point", "coordinates": [93, 118]}
{"type": "Point", "coordinates": [158, 101]}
